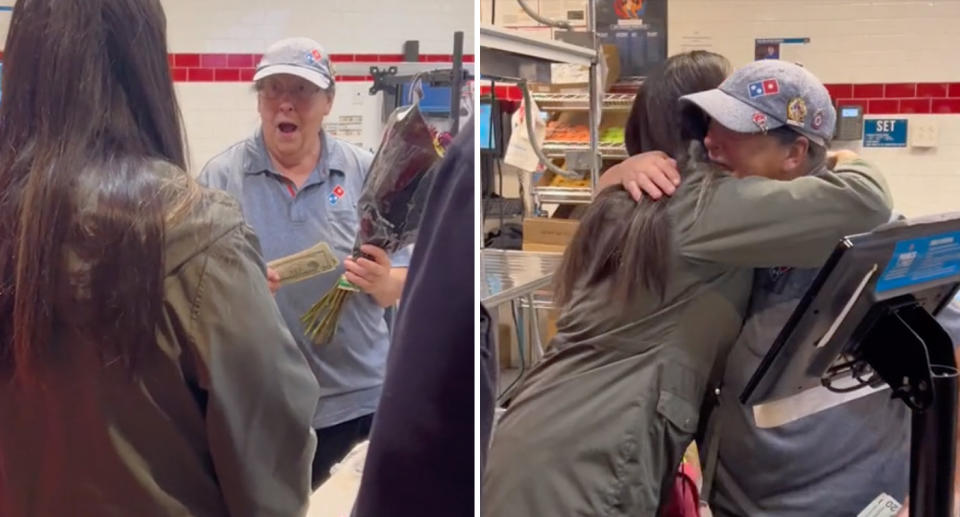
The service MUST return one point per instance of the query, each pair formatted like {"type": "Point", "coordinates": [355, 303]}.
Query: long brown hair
{"type": "Point", "coordinates": [88, 110]}
{"type": "Point", "coordinates": [620, 244]}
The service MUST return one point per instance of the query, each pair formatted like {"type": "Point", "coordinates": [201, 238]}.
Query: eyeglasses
{"type": "Point", "coordinates": [299, 92]}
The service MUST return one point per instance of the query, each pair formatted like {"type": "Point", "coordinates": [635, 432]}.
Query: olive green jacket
{"type": "Point", "coordinates": [216, 423]}
{"type": "Point", "coordinates": [598, 427]}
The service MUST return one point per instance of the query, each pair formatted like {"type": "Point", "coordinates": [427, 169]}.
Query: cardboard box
{"type": "Point", "coordinates": [547, 234]}
{"type": "Point", "coordinates": [566, 78]}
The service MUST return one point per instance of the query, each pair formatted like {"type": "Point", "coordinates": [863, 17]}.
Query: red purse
{"type": "Point", "coordinates": [684, 497]}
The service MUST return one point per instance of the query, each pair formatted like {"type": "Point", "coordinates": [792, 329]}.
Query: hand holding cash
{"type": "Point", "coordinates": [273, 280]}
{"type": "Point", "coordinates": [300, 266]}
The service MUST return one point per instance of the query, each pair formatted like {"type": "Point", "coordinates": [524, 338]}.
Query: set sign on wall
{"type": "Point", "coordinates": [885, 132]}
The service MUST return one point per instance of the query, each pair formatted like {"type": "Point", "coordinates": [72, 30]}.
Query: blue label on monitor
{"type": "Point", "coordinates": [917, 261]}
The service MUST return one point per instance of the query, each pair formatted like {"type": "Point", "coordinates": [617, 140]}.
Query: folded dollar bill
{"type": "Point", "coordinates": [883, 506]}
{"type": "Point", "coordinates": [306, 264]}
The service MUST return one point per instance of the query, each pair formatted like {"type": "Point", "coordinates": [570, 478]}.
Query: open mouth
{"type": "Point", "coordinates": [287, 127]}
{"type": "Point", "coordinates": [719, 163]}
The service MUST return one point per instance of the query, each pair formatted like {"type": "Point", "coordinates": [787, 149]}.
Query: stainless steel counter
{"type": "Point", "coordinates": [509, 275]}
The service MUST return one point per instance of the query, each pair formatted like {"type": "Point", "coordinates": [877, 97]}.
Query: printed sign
{"type": "Point", "coordinates": [917, 261]}
{"type": "Point", "coordinates": [885, 132]}
{"type": "Point", "coordinates": [777, 48]}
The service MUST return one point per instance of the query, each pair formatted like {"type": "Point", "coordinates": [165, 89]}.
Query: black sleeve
{"type": "Point", "coordinates": [421, 451]}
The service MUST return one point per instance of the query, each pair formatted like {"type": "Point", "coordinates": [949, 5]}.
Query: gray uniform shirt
{"type": "Point", "coordinates": [350, 368]}
{"type": "Point", "coordinates": [831, 463]}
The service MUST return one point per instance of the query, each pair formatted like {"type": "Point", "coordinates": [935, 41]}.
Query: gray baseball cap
{"type": "Point", "coordinates": [769, 94]}
{"type": "Point", "coordinates": [301, 57]}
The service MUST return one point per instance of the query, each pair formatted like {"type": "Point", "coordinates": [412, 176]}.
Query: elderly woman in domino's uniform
{"type": "Point", "coordinates": [652, 295]}
{"type": "Point", "coordinates": [298, 185]}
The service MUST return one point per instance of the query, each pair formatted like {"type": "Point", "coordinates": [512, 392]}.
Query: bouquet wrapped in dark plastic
{"type": "Point", "coordinates": [390, 205]}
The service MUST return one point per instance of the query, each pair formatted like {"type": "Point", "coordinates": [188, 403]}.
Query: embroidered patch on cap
{"type": "Point", "coordinates": [763, 88]}
{"type": "Point", "coordinates": [797, 112]}
{"type": "Point", "coordinates": [817, 121]}
{"type": "Point", "coordinates": [315, 56]}
{"type": "Point", "coordinates": [760, 120]}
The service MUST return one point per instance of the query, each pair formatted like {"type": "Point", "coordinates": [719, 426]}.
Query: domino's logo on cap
{"type": "Point", "coordinates": [301, 57]}
{"type": "Point", "coordinates": [762, 88]}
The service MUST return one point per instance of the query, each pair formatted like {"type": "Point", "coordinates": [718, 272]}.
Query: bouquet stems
{"type": "Point", "coordinates": [320, 322]}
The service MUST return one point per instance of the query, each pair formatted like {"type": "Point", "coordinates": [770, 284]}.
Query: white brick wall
{"type": "Point", "coordinates": [854, 41]}
{"type": "Point", "coordinates": [219, 114]}
{"type": "Point", "coordinates": [860, 41]}
{"type": "Point", "coordinates": [342, 26]}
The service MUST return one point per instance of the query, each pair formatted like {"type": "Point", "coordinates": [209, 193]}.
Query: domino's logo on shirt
{"type": "Point", "coordinates": [763, 88]}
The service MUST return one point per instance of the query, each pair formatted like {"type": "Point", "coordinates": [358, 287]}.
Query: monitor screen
{"type": "Point", "coordinates": [485, 127]}
{"type": "Point", "coordinates": [850, 112]}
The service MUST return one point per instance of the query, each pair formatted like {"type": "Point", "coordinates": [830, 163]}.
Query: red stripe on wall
{"type": "Point", "coordinates": [874, 98]}
{"type": "Point", "coordinates": [240, 67]}
{"type": "Point", "coordinates": [899, 98]}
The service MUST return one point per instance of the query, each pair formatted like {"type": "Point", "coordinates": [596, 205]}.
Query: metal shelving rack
{"type": "Point", "coordinates": [507, 55]}
{"type": "Point", "coordinates": [557, 149]}
{"type": "Point", "coordinates": [581, 101]}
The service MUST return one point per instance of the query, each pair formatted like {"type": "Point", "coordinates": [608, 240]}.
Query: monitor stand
{"type": "Point", "coordinates": [908, 349]}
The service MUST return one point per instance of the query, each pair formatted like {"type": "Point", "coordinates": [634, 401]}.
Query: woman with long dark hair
{"type": "Point", "coordinates": [144, 368]}
{"type": "Point", "coordinates": [651, 295]}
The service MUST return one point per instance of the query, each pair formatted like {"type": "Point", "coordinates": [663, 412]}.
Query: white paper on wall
{"type": "Point", "coordinates": [520, 153]}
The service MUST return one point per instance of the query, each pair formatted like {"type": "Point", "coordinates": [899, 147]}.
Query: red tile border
{"type": "Point", "coordinates": [867, 91]}
{"type": "Point", "coordinates": [225, 60]}
{"type": "Point", "coordinates": [199, 75]}
{"type": "Point", "coordinates": [213, 60]}
{"type": "Point", "coordinates": [214, 67]}
{"type": "Point", "coordinates": [932, 89]}
{"type": "Point", "coordinates": [915, 106]}
{"type": "Point", "coordinates": [187, 60]}
{"type": "Point", "coordinates": [900, 90]}
{"type": "Point", "coordinates": [840, 91]}
{"type": "Point", "coordinates": [954, 89]}
{"type": "Point", "coordinates": [883, 106]}
{"type": "Point", "coordinates": [853, 102]}
{"type": "Point", "coordinates": [240, 61]}
{"type": "Point", "coordinates": [945, 106]}
{"type": "Point", "coordinates": [503, 93]}
{"type": "Point", "coordinates": [353, 78]}
{"type": "Point", "coordinates": [225, 75]}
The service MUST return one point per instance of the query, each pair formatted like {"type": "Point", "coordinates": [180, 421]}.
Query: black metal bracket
{"type": "Point", "coordinates": [384, 79]}
{"type": "Point", "coordinates": [381, 78]}
{"type": "Point", "coordinates": [911, 352]}
{"type": "Point", "coordinates": [906, 366]}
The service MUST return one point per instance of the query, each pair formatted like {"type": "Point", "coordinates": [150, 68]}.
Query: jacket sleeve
{"type": "Point", "coordinates": [261, 393]}
{"type": "Point", "coordinates": [759, 222]}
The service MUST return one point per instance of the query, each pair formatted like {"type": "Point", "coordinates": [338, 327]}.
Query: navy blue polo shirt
{"type": "Point", "coordinates": [350, 368]}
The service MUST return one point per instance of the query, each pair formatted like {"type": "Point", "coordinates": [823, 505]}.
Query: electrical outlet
{"type": "Point", "coordinates": [924, 133]}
